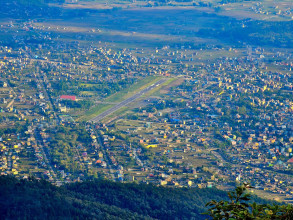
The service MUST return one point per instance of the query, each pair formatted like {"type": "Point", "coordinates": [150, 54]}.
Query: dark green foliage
{"type": "Point", "coordinates": [27, 9]}
{"type": "Point", "coordinates": [38, 199]}
{"type": "Point", "coordinates": [34, 199]}
{"type": "Point", "coordinates": [150, 200]}
{"type": "Point", "coordinates": [17, 128]}
{"type": "Point", "coordinates": [264, 33]}
{"type": "Point", "coordinates": [101, 199]}
{"type": "Point", "coordinates": [239, 208]}
{"type": "Point", "coordinates": [83, 104]}
{"type": "Point", "coordinates": [63, 146]}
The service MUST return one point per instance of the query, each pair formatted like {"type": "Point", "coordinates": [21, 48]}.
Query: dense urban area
{"type": "Point", "coordinates": [91, 94]}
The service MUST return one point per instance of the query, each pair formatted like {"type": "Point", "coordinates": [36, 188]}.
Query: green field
{"type": "Point", "coordinates": [119, 112]}
{"type": "Point", "coordinates": [93, 112]}
{"type": "Point", "coordinates": [118, 97]}
{"type": "Point", "coordinates": [156, 91]}
{"type": "Point", "coordinates": [126, 93]}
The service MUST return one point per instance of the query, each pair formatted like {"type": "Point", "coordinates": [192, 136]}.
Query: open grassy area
{"type": "Point", "coordinates": [88, 93]}
{"type": "Point", "coordinates": [268, 195]}
{"type": "Point", "coordinates": [93, 112]}
{"type": "Point", "coordinates": [119, 112]}
{"type": "Point", "coordinates": [156, 90]}
{"type": "Point", "coordinates": [131, 90]}
{"type": "Point", "coordinates": [118, 97]}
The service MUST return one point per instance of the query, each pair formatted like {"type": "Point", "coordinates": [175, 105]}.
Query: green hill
{"type": "Point", "coordinates": [100, 199]}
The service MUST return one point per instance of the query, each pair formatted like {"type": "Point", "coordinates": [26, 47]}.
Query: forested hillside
{"type": "Point", "coordinates": [101, 199]}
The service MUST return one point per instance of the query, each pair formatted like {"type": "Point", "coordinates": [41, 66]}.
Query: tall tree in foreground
{"type": "Point", "coordinates": [239, 208]}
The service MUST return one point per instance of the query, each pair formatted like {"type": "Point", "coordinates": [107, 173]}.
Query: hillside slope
{"type": "Point", "coordinates": [33, 199]}
{"type": "Point", "coordinates": [100, 199]}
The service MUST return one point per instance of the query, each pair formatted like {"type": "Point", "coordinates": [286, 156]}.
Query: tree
{"type": "Point", "coordinates": [238, 208]}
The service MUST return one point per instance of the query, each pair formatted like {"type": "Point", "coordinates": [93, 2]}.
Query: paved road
{"type": "Point", "coordinates": [44, 151]}
{"type": "Point", "coordinates": [106, 157]}
{"type": "Point", "coordinates": [126, 101]}
{"type": "Point", "coordinates": [105, 153]}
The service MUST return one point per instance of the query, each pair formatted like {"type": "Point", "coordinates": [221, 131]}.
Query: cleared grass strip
{"type": "Point", "coordinates": [93, 112]}
{"type": "Point", "coordinates": [155, 90]}
{"type": "Point", "coordinates": [119, 97]}
{"type": "Point", "coordinates": [131, 90]}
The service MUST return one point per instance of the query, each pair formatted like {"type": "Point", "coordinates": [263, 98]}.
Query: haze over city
{"type": "Point", "coordinates": [102, 101]}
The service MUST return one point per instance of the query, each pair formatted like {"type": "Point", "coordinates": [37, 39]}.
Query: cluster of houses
{"type": "Point", "coordinates": [230, 119]}
{"type": "Point", "coordinates": [277, 10]}
{"type": "Point", "coordinates": [236, 105]}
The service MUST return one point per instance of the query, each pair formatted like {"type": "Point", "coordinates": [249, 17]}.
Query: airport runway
{"type": "Point", "coordinates": [126, 102]}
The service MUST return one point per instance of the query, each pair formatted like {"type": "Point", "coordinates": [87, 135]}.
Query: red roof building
{"type": "Point", "coordinates": [68, 97]}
